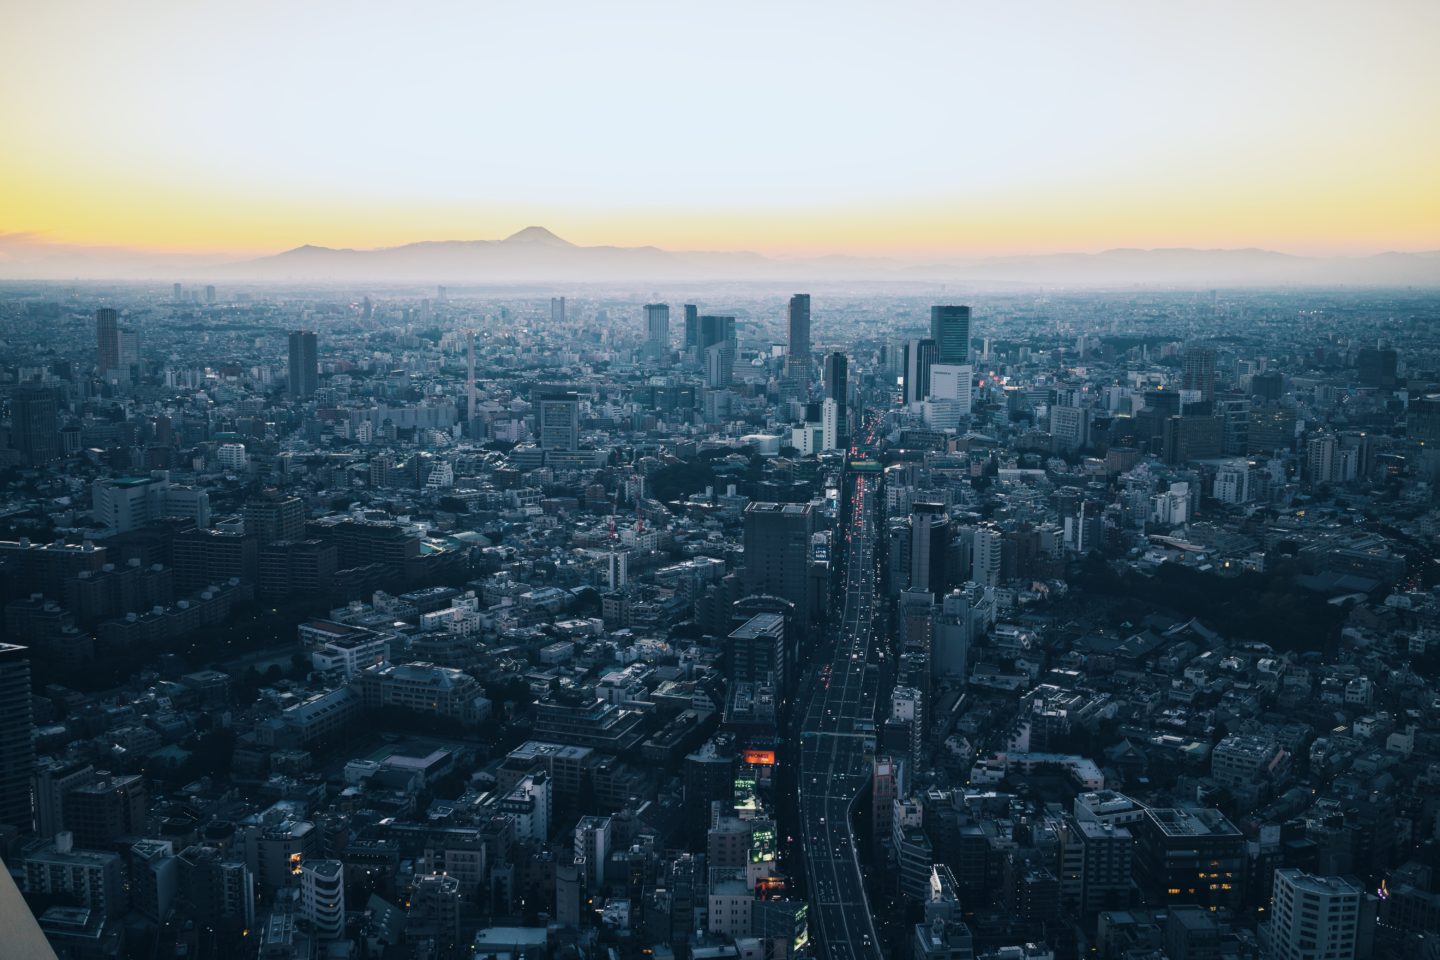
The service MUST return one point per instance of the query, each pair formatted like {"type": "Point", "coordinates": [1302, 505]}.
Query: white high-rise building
{"type": "Point", "coordinates": [953, 381]}
{"type": "Point", "coordinates": [1232, 482]}
{"type": "Point", "coordinates": [987, 557]}
{"type": "Point", "coordinates": [830, 424]}
{"type": "Point", "coordinates": [232, 456]}
{"type": "Point", "coordinates": [1316, 918]}
{"type": "Point", "coordinates": [618, 569]}
{"type": "Point", "coordinates": [322, 897]}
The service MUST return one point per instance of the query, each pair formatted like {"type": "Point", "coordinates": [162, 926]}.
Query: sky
{"type": "Point", "coordinates": [790, 129]}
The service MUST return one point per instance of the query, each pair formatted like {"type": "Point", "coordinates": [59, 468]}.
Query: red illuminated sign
{"type": "Point", "coordinates": [765, 758]}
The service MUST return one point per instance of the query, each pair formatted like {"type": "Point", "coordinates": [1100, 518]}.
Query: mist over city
{"type": "Point", "coordinates": [633, 482]}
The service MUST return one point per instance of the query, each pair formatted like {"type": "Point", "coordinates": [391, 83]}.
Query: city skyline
{"type": "Point", "coordinates": [933, 132]}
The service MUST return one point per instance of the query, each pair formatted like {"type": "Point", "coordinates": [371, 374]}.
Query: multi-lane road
{"type": "Point", "coordinates": [835, 753]}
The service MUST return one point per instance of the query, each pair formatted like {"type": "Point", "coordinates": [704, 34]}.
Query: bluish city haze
{"type": "Point", "coordinates": [773, 482]}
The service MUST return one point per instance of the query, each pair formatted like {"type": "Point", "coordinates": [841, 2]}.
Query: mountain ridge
{"type": "Point", "coordinates": [536, 254]}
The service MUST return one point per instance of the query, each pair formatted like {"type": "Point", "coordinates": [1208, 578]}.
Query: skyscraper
{"type": "Point", "coordinates": [657, 329]}
{"type": "Point", "coordinates": [557, 309]}
{"type": "Point", "coordinates": [557, 421]}
{"type": "Point", "coordinates": [1198, 372]}
{"type": "Point", "coordinates": [777, 553]}
{"type": "Point", "coordinates": [800, 328]}
{"type": "Point", "coordinates": [35, 415]}
{"type": "Point", "coordinates": [717, 350]}
{"type": "Point", "coordinates": [107, 340]}
{"type": "Point", "coordinates": [920, 356]}
{"type": "Point", "coordinates": [950, 329]}
{"type": "Point", "coordinates": [304, 364]}
{"type": "Point", "coordinates": [837, 388]}
{"type": "Point", "coordinates": [692, 326]}
{"type": "Point", "coordinates": [210, 293]}
{"type": "Point", "coordinates": [17, 732]}
{"type": "Point", "coordinates": [929, 545]}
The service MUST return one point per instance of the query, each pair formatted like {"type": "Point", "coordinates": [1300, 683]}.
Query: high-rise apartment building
{"type": "Point", "coordinates": [988, 552]}
{"type": "Point", "coordinates": [950, 329]}
{"type": "Point", "coordinates": [322, 897]}
{"type": "Point", "coordinates": [304, 366]}
{"type": "Point", "coordinates": [1317, 918]}
{"type": "Point", "coordinates": [17, 733]}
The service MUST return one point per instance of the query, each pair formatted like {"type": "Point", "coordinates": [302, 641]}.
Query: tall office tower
{"type": "Point", "coordinates": [837, 388]}
{"type": "Point", "coordinates": [322, 897]}
{"type": "Point", "coordinates": [692, 326]}
{"type": "Point", "coordinates": [717, 350]}
{"type": "Point", "coordinates": [929, 544]}
{"type": "Point", "coordinates": [1377, 367]}
{"type": "Point", "coordinates": [17, 736]}
{"type": "Point", "coordinates": [107, 340]}
{"type": "Point", "coordinates": [987, 555]}
{"type": "Point", "coordinates": [950, 648]}
{"type": "Point", "coordinates": [304, 364]}
{"type": "Point", "coordinates": [800, 327]}
{"type": "Point", "coordinates": [1318, 918]}
{"type": "Point", "coordinates": [557, 421]}
{"type": "Point", "coordinates": [129, 354]}
{"type": "Point", "coordinates": [713, 330]}
{"type": "Point", "coordinates": [1198, 372]}
{"type": "Point", "coordinates": [178, 292]}
{"type": "Point", "coordinates": [920, 356]}
{"type": "Point", "coordinates": [557, 309]}
{"type": "Point", "coordinates": [885, 781]}
{"type": "Point", "coordinates": [210, 293]}
{"type": "Point", "coordinates": [35, 418]}
{"type": "Point", "coordinates": [950, 329]}
{"type": "Point", "coordinates": [777, 554]}
{"type": "Point", "coordinates": [657, 329]}
{"type": "Point", "coordinates": [756, 651]}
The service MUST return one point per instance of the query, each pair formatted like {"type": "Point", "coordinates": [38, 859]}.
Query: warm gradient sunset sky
{"type": "Point", "coordinates": [906, 128]}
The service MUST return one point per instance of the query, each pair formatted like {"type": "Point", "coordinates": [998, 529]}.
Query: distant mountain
{"type": "Point", "coordinates": [535, 255]}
